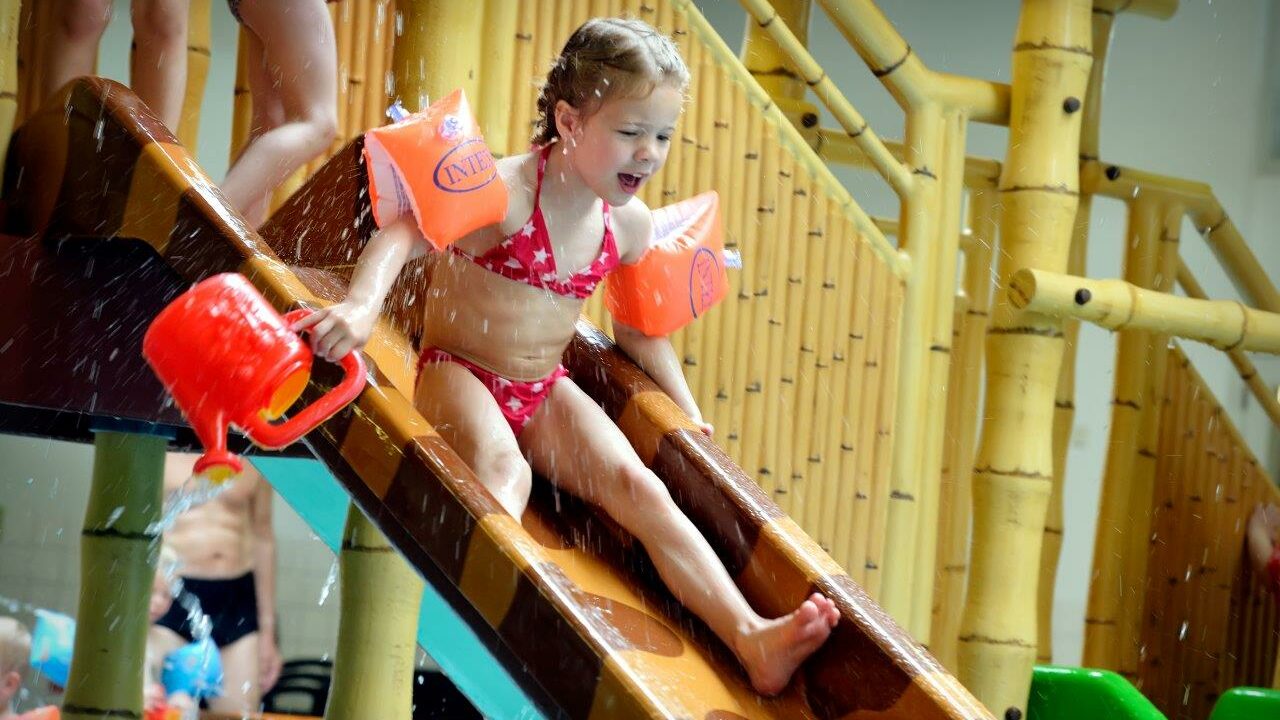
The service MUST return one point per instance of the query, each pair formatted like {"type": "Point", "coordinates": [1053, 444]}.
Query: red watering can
{"type": "Point", "coordinates": [228, 357]}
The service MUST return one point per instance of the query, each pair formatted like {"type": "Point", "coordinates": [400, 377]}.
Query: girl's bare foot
{"type": "Point", "coordinates": [772, 652]}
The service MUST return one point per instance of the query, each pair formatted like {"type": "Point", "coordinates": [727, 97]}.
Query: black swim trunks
{"type": "Point", "coordinates": [232, 607]}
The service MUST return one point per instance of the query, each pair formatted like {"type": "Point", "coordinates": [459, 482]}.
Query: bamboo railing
{"type": "Point", "coordinates": [1207, 623]}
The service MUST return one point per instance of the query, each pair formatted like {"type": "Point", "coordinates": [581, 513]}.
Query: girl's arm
{"type": "Point", "coordinates": [346, 326]}
{"type": "Point", "coordinates": [656, 356]}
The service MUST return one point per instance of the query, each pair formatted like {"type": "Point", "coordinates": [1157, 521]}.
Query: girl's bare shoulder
{"type": "Point", "coordinates": [520, 174]}
{"type": "Point", "coordinates": [632, 229]}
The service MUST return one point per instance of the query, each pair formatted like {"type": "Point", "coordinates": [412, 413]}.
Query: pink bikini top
{"type": "Point", "coordinates": [526, 256]}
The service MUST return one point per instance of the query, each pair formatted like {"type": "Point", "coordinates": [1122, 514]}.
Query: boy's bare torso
{"type": "Point", "coordinates": [213, 539]}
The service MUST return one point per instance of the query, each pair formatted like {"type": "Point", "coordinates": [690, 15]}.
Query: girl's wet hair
{"type": "Point", "coordinates": [606, 58]}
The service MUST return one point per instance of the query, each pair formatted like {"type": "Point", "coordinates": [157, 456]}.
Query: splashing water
{"type": "Point", "coordinates": [184, 498]}
{"type": "Point", "coordinates": [329, 582]}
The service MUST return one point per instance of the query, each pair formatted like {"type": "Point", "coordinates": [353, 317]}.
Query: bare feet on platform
{"type": "Point", "coordinates": [772, 652]}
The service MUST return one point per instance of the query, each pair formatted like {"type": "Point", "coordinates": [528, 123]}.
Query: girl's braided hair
{"type": "Point", "coordinates": [605, 58]}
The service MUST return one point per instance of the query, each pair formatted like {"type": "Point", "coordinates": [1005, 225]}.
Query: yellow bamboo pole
{"type": "Point", "coordinates": [836, 146]}
{"type": "Point", "coordinates": [1168, 224]}
{"type": "Point", "coordinates": [953, 549]}
{"type": "Point", "coordinates": [1110, 585]}
{"type": "Point", "coordinates": [764, 220]}
{"type": "Point", "coordinates": [358, 81]}
{"type": "Point", "coordinates": [1014, 467]}
{"type": "Point", "coordinates": [808, 296]}
{"type": "Point", "coordinates": [523, 87]}
{"type": "Point", "coordinates": [10, 17]}
{"type": "Point", "coordinates": [921, 216]}
{"type": "Point", "coordinates": [1246, 369]}
{"type": "Point", "coordinates": [1064, 412]}
{"type": "Point", "coordinates": [790, 138]}
{"type": "Point", "coordinates": [381, 594]}
{"type": "Point", "coordinates": [1217, 229]}
{"type": "Point", "coordinates": [376, 98]}
{"type": "Point", "coordinates": [776, 414]}
{"type": "Point", "coordinates": [856, 453]}
{"type": "Point", "coordinates": [727, 392]}
{"type": "Point", "coordinates": [838, 488]}
{"type": "Point", "coordinates": [901, 71]}
{"type": "Point", "coordinates": [706, 87]}
{"type": "Point", "coordinates": [242, 109]}
{"type": "Point", "coordinates": [894, 172]}
{"type": "Point", "coordinates": [343, 23]}
{"type": "Point", "coordinates": [885, 368]}
{"type": "Point", "coordinates": [198, 55]}
{"type": "Point", "coordinates": [1115, 304]}
{"type": "Point", "coordinates": [943, 288]}
{"type": "Point", "coordinates": [441, 50]}
{"type": "Point", "coordinates": [118, 553]}
{"type": "Point", "coordinates": [497, 71]}
{"type": "Point", "coordinates": [718, 168]}
{"type": "Point", "coordinates": [750, 249]}
{"type": "Point", "coordinates": [767, 62]}
{"type": "Point", "coordinates": [818, 489]}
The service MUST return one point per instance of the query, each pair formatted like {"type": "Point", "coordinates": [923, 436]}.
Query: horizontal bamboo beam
{"type": "Point", "coordinates": [855, 126]}
{"type": "Point", "coordinates": [790, 138]}
{"type": "Point", "coordinates": [1206, 213]}
{"type": "Point", "coordinates": [835, 146]}
{"type": "Point", "coordinates": [1116, 304]}
{"type": "Point", "coordinates": [1248, 372]}
{"type": "Point", "coordinates": [911, 83]}
{"type": "Point", "coordinates": [1158, 9]}
{"type": "Point", "coordinates": [888, 226]}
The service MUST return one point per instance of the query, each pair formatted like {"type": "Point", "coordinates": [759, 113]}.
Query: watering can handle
{"type": "Point", "coordinates": [274, 437]}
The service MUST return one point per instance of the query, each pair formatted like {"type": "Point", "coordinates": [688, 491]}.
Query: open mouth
{"type": "Point", "coordinates": [630, 183]}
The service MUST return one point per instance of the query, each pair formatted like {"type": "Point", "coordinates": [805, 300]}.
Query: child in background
{"type": "Point", "coordinates": [15, 652]}
{"type": "Point", "coordinates": [158, 64]}
{"type": "Point", "coordinates": [293, 80]}
{"type": "Point", "coordinates": [1263, 543]}
{"type": "Point", "coordinates": [503, 304]}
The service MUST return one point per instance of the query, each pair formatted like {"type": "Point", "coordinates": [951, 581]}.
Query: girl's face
{"type": "Point", "coordinates": [624, 142]}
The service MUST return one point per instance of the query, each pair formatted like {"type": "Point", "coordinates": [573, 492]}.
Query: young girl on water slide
{"type": "Point", "coordinates": [502, 307]}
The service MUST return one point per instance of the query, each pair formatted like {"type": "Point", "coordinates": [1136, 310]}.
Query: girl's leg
{"type": "Point", "coordinates": [573, 442]}
{"type": "Point", "coordinates": [72, 45]}
{"type": "Point", "coordinates": [467, 417]}
{"type": "Point", "coordinates": [268, 112]}
{"type": "Point", "coordinates": [158, 71]}
{"type": "Point", "coordinates": [299, 47]}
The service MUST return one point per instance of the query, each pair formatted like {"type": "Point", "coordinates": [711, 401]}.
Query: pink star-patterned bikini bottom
{"type": "Point", "coordinates": [518, 400]}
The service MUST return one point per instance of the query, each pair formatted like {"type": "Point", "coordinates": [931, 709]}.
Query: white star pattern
{"type": "Point", "coordinates": [505, 243]}
{"type": "Point", "coordinates": [514, 404]}
{"type": "Point", "coordinates": [537, 387]}
{"type": "Point", "coordinates": [540, 256]}
{"type": "Point", "coordinates": [548, 277]}
{"type": "Point", "coordinates": [513, 263]}
{"type": "Point", "coordinates": [527, 230]}
{"type": "Point", "coordinates": [503, 382]}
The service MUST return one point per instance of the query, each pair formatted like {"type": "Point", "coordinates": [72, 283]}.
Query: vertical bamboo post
{"type": "Point", "coordinates": [437, 51]}
{"type": "Point", "coordinates": [943, 287]}
{"type": "Point", "coordinates": [1164, 251]}
{"type": "Point", "coordinates": [373, 667]}
{"type": "Point", "coordinates": [953, 545]}
{"type": "Point", "coordinates": [375, 83]}
{"type": "Point", "coordinates": [883, 371]}
{"type": "Point", "coordinates": [497, 70]}
{"type": "Point", "coordinates": [198, 55]}
{"type": "Point", "coordinates": [1013, 472]}
{"type": "Point", "coordinates": [920, 217]}
{"type": "Point", "coordinates": [343, 23]}
{"type": "Point", "coordinates": [118, 552]}
{"type": "Point", "coordinates": [242, 110]}
{"type": "Point", "coordinates": [10, 16]}
{"type": "Point", "coordinates": [1064, 412]}
{"type": "Point", "coordinates": [1111, 588]}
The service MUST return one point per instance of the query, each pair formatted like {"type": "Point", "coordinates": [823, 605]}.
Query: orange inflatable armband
{"type": "Point", "coordinates": [435, 164]}
{"type": "Point", "coordinates": [680, 276]}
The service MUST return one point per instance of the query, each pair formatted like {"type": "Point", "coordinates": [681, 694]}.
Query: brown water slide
{"type": "Point", "coordinates": [107, 218]}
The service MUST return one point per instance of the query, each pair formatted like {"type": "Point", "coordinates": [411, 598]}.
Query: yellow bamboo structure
{"type": "Point", "coordinates": [242, 104]}
{"type": "Point", "coordinates": [1064, 400]}
{"type": "Point", "coordinates": [952, 564]}
{"type": "Point", "coordinates": [118, 553]}
{"type": "Point", "coordinates": [199, 53]}
{"type": "Point", "coordinates": [1115, 304]}
{"type": "Point", "coordinates": [497, 69]}
{"type": "Point", "coordinates": [381, 594]}
{"type": "Point", "coordinates": [1245, 367]}
{"type": "Point", "coordinates": [1014, 466]}
{"type": "Point", "coordinates": [10, 17]}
